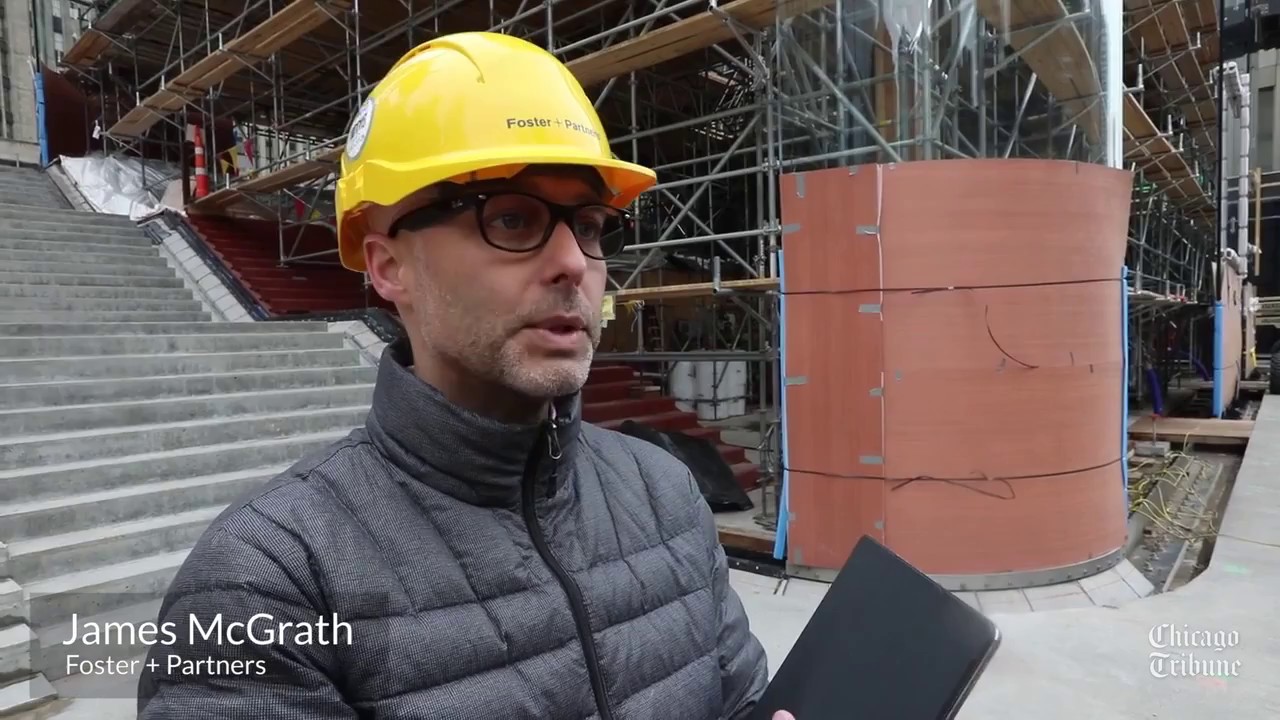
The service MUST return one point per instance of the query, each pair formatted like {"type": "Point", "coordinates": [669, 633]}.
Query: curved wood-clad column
{"type": "Point", "coordinates": [955, 365]}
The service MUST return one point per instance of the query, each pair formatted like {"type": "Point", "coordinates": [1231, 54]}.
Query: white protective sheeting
{"type": "Point", "coordinates": [116, 185]}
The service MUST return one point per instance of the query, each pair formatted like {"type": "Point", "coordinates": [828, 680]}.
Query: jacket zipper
{"type": "Point", "coordinates": [549, 442]}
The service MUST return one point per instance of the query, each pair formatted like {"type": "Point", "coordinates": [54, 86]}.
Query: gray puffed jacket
{"type": "Point", "coordinates": [482, 571]}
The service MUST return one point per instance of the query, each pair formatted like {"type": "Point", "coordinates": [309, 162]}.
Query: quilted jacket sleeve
{"type": "Point", "coordinates": [743, 665]}
{"type": "Point", "coordinates": [234, 575]}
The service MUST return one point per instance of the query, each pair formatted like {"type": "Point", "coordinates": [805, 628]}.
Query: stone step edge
{"type": "Point", "coordinates": [327, 435]}
{"type": "Point", "coordinates": [72, 538]}
{"type": "Point", "coordinates": [174, 400]}
{"type": "Point", "coordinates": [99, 433]}
{"type": "Point", "coordinates": [26, 694]}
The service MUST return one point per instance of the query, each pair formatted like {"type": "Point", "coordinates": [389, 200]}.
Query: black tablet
{"type": "Point", "coordinates": [886, 643]}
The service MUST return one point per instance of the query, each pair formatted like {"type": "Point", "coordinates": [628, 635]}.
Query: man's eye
{"type": "Point", "coordinates": [586, 228]}
{"type": "Point", "coordinates": [509, 221]}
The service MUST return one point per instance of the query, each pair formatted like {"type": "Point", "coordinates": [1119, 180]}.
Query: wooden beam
{"type": "Point", "coordinates": [1208, 431]}
{"type": "Point", "coordinates": [94, 42]}
{"type": "Point", "coordinates": [755, 542]}
{"type": "Point", "coordinates": [686, 290]}
{"type": "Point", "coordinates": [257, 45]}
{"type": "Point", "coordinates": [1057, 54]}
{"type": "Point", "coordinates": [278, 179]}
{"type": "Point", "coordinates": [683, 37]}
{"type": "Point", "coordinates": [678, 38]}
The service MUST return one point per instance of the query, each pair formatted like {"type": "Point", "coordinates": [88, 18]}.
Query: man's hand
{"type": "Point", "coordinates": [783, 715]}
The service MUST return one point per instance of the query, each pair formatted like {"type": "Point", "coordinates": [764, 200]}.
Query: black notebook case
{"type": "Point", "coordinates": [885, 643]}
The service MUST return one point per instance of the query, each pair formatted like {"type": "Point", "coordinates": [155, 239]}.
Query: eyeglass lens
{"type": "Point", "coordinates": [521, 223]}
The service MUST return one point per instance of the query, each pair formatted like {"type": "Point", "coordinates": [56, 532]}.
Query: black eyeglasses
{"type": "Point", "coordinates": [521, 223]}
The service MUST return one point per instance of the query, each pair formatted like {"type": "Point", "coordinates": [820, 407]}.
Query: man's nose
{"type": "Point", "coordinates": [563, 257]}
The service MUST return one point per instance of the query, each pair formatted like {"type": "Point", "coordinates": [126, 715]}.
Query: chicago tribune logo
{"type": "Point", "coordinates": [1178, 651]}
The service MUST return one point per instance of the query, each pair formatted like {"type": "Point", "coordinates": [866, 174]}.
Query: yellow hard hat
{"type": "Point", "coordinates": [464, 107]}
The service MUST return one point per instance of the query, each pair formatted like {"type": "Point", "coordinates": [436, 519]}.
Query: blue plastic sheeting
{"type": "Point", "coordinates": [41, 131]}
{"type": "Point", "coordinates": [1219, 350]}
{"type": "Point", "coordinates": [780, 539]}
{"type": "Point", "coordinates": [1124, 390]}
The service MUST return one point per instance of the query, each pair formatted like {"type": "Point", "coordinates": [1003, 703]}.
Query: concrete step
{"type": "Point", "coordinates": [98, 248]}
{"type": "Point", "coordinates": [29, 484]}
{"type": "Point", "coordinates": [76, 267]}
{"type": "Point", "coordinates": [25, 693]}
{"type": "Point", "coordinates": [89, 279]}
{"type": "Point", "coordinates": [52, 555]}
{"type": "Point", "coordinates": [102, 589]}
{"type": "Point", "coordinates": [101, 444]}
{"type": "Point", "coordinates": [54, 225]}
{"type": "Point", "coordinates": [31, 316]}
{"type": "Point", "coordinates": [133, 366]}
{"type": "Point", "coordinates": [73, 418]}
{"type": "Point", "coordinates": [23, 176]}
{"type": "Point", "coordinates": [51, 252]}
{"type": "Point", "coordinates": [33, 186]}
{"type": "Point", "coordinates": [13, 601]}
{"type": "Point", "coordinates": [79, 236]}
{"type": "Point", "coordinates": [107, 345]}
{"type": "Point", "coordinates": [57, 304]}
{"type": "Point", "coordinates": [57, 645]}
{"type": "Point", "coordinates": [15, 173]}
{"type": "Point", "coordinates": [55, 395]}
{"type": "Point", "coordinates": [85, 512]}
{"type": "Point", "coordinates": [17, 646]}
{"type": "Point", "coordinates": [33, 197]}
{"type": "Point", "coordinates": [43, 195]}
{"type": "Point", "coordinates": [70, 218]}
{"type": "Point", "coordinates": [160, 328]}
{"type": "Point", "coordinates": [35, 201]}
{"type": "Point", "coordinates": [91, 291]}
{"type": "Point", "coordinates": [28, 185]}
{"type": "Point", "coordinates": [10, 175]}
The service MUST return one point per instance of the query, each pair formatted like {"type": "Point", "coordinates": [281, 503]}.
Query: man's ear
{"type": "Point", "coordinates": [388, 273]}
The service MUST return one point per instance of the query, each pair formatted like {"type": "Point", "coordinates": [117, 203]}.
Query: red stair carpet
{"type": "Point", "coordinates": [615, 393]}
{"type": "Point", "coordinates": [251, 250]}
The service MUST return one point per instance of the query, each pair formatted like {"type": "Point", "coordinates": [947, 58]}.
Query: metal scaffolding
{"type": "Point", "coordinates": [720, 98]}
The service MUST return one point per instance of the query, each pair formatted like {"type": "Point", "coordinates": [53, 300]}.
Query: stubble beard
{"type": "Point", "coordinates": [544, 378]}
{"type": "Point", "coordinates": [486, 347]}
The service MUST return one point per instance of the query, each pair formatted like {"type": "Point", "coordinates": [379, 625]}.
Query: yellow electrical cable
{"type": "Point", "coordinates": [1179, 523]}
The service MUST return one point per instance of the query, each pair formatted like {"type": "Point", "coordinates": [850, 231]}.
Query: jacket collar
{"type": "Point", "coordinates": [473, 458]}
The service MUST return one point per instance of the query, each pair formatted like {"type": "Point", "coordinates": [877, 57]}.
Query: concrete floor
{"type": "Point", "coordinates": [1098, 662]}
{"type": "Point", "coordinates": [1068, 659]}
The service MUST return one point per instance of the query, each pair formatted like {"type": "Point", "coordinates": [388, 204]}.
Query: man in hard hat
{"type": "Point", "coordinates": [475, 551]}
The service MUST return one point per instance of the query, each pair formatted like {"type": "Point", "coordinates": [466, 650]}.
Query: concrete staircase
{"type": "Point", "coordinates": [128, 421]}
